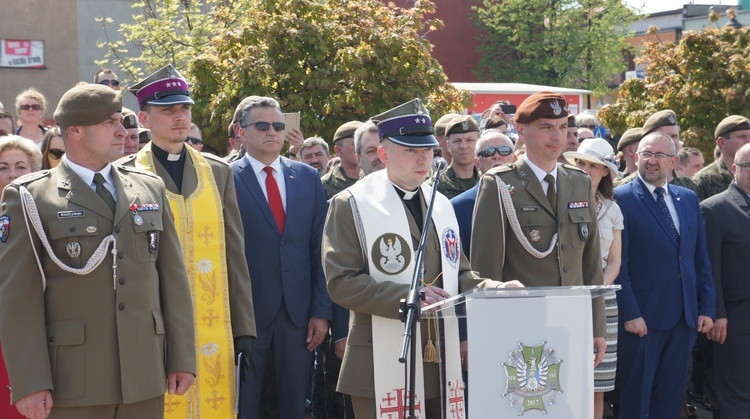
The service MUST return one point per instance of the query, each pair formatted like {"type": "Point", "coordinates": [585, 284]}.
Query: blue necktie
{"type": "Point", "coordinates": [662, 204]}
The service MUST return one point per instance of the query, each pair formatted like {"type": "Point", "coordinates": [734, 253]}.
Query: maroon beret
{"type": "Point", "coordinates": [542, 105]}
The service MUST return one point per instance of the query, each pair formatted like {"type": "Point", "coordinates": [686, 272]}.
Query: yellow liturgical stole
{"type": "Point", "coordinates": [200, 224]}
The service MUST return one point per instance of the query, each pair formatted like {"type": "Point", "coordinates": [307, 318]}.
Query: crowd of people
{"type": "Point", "coordinates": [146, 276]}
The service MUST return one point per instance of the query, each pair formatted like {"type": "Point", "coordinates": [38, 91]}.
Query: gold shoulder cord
{"type": "Point", "coordinates": [430, 351]}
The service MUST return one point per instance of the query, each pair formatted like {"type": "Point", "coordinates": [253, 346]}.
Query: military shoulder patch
{"type": "Point", "coordinates": [4, 228]}
{"type": "Point", "coordinates": [31, 177]}
{"type": "Point", "coordinates": [390, 254]}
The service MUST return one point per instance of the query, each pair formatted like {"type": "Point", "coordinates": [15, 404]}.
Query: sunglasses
{"type": "Point", "coordinates": [265, 126]}
{"type": "Point", "coordinates": [488, 152]}
{"type": "Point", "coordinates": [56, 153]}
{"type": "Point", "coordinates": [193, 140]}
{"type": "Point", "coordinates": [108, 82]}
{"type": "Point", "coordinates": [591, 127]}
{"type": "Point", "coordinates": [31, 107]}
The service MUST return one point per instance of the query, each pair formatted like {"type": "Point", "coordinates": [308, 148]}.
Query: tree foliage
{"type": "Point", "coordinates": [332, 60]}
{"type": "Point", "coordinates": [704, 78]}
{"type": "Point", "coordinates": [568, 43]}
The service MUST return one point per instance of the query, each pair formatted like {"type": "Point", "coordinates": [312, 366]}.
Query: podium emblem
{"type": "Point", "coordinates": [533, 374]}
{"type": "Point", "coordinates": [388, 254]}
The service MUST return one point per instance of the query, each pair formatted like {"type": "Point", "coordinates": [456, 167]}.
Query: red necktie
{"type": "Point", "coordinates": [274, 199]}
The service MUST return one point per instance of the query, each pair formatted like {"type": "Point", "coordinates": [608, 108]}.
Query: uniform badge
{"type": "Point", "coordinates": [388, 255]}
{"type": "Point", "coordinates": [534, 235]}
{"type": "Point", "coordinates": [4, 228]}
{"type": "Point", "coordinates": [529, 209]}
{"type": "Point", "coordinates": [465, 125]}
{"type": "Point", "coordinates": [583, 231]}
{"type": "Point", "coordinates": [672, 119]}
{"type": "Point", "coordinates": [450, 247]}
{"type": "Point", "coordinates": [153, 242]}
{"type": "Point", "coordinates": [91, 229]}
{"type": "Point", "coordinates": [74, 249]}
{"type": "Point", "coordinates": [578, 204]}
{"type": "Point", "coordinates": [556, 108]}
{"type": "Point", "coordinates": [511, 189]}
{"type": "Point", "coordinates": [138, 220]}
{"type": "Point", "coordinates": [70, 214]}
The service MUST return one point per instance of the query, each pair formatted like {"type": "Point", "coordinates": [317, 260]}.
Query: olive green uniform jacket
{"type": "Point", "coordinates": [238, 275]}
{"type": "Point", "coordinates": [496, 253]}
{"type": "Point", "coordinates": [336, 181]}
{"type": "Point", "coordinates": [89, 343]}
{"type": "Point", "coordinates": [351, 286]}
{"type": "Point", "coordinates": [713, 179]}
{"type": "Point", "coordinates": [451, 186]}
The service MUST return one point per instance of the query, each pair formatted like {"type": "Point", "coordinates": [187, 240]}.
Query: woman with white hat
{"type": "Point", "coordinates": [596, 157]}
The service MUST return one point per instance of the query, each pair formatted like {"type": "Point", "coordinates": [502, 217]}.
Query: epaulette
{"type": "Point", "coordinates": [509, 167]}
{"type": "Point", "coordinates": [215, 158]}
{"type": "Point", "coordinates": [133, 169]}
{"type": "Point", "coordinates": [31, 177]}
{"type": "Point", "coordinates": [570, 166]}
{"type": "Point", "coordinates": [126, 160]}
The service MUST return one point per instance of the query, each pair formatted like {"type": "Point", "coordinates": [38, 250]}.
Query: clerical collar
{"type": "Point", "coordinates": [403, 193]}
{"type": "Point", "coordinates": [164, 155]}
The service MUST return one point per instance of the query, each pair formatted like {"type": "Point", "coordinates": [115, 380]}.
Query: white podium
{"type": "Point", "coordinates": [530, 352]}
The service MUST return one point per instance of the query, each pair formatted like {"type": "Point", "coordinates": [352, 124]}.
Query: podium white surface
{"type": "Point", "coordinates": [530, 351]}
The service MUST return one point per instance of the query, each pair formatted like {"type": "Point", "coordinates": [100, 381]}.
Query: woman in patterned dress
{"type": "Point", "coordinates": [596, 157]}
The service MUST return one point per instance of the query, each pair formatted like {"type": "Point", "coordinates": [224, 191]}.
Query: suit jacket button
{"type": "Point", "coordinates": [51, 338]}
{"type": "Point", "coordinates": [565, 269]}
{"type": "Point", "coordinates": [121, 306]}
{"type": "Point", "coordinates": [117, 229]}
{"type": "Point", "coordinates": [119, 255]}
{"type": "Point", "coordinates": [122, 280]}
{"type": "Point", "coordinates": [72, 229]}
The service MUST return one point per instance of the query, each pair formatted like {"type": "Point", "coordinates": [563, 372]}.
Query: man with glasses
{"type": "Point", "coordinates": [667, 294]}
{"type": "Point", "coordinates": [493, 149]}
{"type": "Point", "coordinates": [283, 207]}
{"type": "Point", "coordinates": [728, 243]}
{"type": "Point", "coordinates": [462, 132]}
{"type": "Point", "coordinates": [204, 204]}
{"type": "Point", "coordinates": [108, 78]}
{"type": "Point", "coordinates": [194, 138]}
{"type": "Point", "coordinates": [732, 133]}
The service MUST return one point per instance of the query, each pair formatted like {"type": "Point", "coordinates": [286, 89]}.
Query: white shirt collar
{"type": "Point", "coordinates": [258, 166]}
{"type": "Point", "coordinates": [540, 173]}
{"type": "Point", "coordinates": [651, 188]}
{"type": "Point", "coordinates": [87, 175]}
{"type": "Point", "coordinates": [407, 194]}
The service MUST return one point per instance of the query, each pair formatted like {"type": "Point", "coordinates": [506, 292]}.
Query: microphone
{"type": "Point", "coordinates": [439, 164]}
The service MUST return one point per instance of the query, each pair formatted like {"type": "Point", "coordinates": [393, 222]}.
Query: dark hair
{"type": "Point", "coordinates": [683, 156]}
{"type": "Point", "coordinates": [494, 121]}
{"type": "Point", "coordinates": [607, 185]}
{"type": "Point", "coordinates": [103, 71]}
{"type": "Point", "coordinates": [51, 133]}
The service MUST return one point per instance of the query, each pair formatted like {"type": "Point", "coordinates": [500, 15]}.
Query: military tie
{"type": "Point", "coordinates": [103, 192]}
{"type": "Point", "coordinates": [551, 192]}
{"type": "Point", "coordinates": [274, 199]}
{"type": "Point", "coordinates": [662, 204]}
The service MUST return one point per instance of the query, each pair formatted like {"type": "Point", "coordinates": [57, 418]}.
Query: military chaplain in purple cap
{"type": "Point", "coordinates": [204, 204]}
{"type": "Point", "coordinates": [368, 264]}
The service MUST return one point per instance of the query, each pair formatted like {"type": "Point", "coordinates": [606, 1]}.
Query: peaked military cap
{"type": "Point", "coordinates": [730, 124]}
{"type": "Point", "coordinates": [461, 124]}
{"type": "Point", "coordinates": [542, 105]}
{"type": "Point", "coordinates": [346, 131]}
{"type": "Point", "coordinates": [165, 87]}
{"type": "Point", "coordinates": [631, 136]}
{"type": "Point", "coordinates": [659, 119]}
{"type": "Point", "coordinates": [408, 125]}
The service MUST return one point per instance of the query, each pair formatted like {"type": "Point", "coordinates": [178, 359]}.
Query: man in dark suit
{"type": "Point", "coordinates": [667, 291]}
{"type": "Point", "coordinates": [727, 217]}
{"type": "Point", "coordinates": [492, 149]}
{"type": "Point", "coordinates": [95, 308]}
{"type": "Point", "coordinates": [283, 206]}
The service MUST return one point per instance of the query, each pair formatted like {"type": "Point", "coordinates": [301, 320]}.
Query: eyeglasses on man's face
{"type": "Point", "coordinates": [488, 152]}
{"type": "Point", "coordinates": [114, 83]}
{"type": "Point", "coordinates": [265, 126]}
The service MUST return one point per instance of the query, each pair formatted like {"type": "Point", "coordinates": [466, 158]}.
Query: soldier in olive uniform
{"type": "Point", "coordinates": [95, 310]}
{"type": "Point", "coordinates": [732, 133]}
{"type": "Point", "coordinates": [664, 121]}
{"type": "Point", "coordinates": [345, 174]}
{"type": "Point", "coordinates": [628, 145]}
{"type": "Point", "coordinates": [462, 132]}
{"type": "Point", "coordinates": [546, 233]}
{"type": "Point", "coordinates": [442, 137]}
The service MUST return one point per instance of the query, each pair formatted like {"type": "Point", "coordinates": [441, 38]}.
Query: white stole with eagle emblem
{"type": "Point", "coordinates": [385, 236]}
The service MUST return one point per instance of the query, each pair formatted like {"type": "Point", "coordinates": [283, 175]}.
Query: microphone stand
{"type": "Point", "coordinates": [411, 306]}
